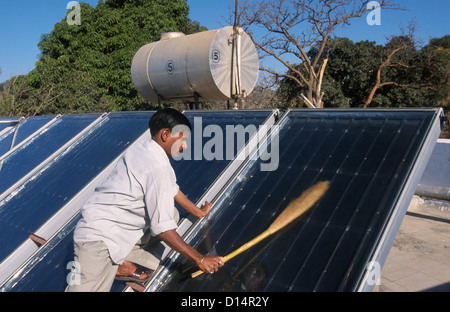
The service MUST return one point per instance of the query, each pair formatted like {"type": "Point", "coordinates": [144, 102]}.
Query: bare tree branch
{"type": "Point", "coordinates": [396, 45]}
{"type": "Point", "coordinates": [287, 29]}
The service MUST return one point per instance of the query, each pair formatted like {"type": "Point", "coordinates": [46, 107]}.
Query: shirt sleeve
{"type": "Point", "coordinates": [159, 196]}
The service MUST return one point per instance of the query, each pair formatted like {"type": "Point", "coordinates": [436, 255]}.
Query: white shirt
{"type": "Point", "coordinates": [138, 194]}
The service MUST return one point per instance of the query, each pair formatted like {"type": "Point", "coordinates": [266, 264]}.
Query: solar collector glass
{"type": "Point", "coordinates": [366, 155]}
{"type": "Point", "coordinates": [38, 149]}
{"type": "Point", "coordinates": [21, 131]}
{"type": "Point", "coordinates": [195, 176]}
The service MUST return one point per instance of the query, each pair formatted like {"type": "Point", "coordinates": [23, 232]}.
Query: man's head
{"type": "Point", "coordinates": [170, 129]}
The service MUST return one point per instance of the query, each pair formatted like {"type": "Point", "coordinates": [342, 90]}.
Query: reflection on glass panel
{"type": "Point", "coordinates": [198, 170]}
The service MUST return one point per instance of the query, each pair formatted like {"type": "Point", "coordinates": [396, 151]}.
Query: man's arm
{"type": "Point", "coordinates": [189, 206]}
{"type": "Point", "coordinates": [207, 264]}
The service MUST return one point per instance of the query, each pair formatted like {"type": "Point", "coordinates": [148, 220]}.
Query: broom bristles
{"type": "Point", "coordinates": [294, 210]}
{"type": "Point", "coordinates": [299, 206]}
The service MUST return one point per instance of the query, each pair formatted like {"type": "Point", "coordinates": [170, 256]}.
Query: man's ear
{"type": "Point", "coordinates": [165, 134]}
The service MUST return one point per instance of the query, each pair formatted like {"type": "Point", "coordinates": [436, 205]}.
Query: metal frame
{"type": "Point", "coordinates": [10, 121]}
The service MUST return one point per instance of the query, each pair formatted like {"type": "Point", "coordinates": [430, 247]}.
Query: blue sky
{"type": "Point", "coordinates": [22, 22]}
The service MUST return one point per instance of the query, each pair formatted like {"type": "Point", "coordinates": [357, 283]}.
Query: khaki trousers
{"type": "Point", "coordinates": [94, 271]}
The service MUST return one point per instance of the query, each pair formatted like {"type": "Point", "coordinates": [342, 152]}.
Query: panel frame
{"type": "Point", "coordinates": [12, 128]}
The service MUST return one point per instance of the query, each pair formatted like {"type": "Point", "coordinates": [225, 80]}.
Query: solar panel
{"type": "Point", "coordinates": [42, 196]}
{"type": "Point", "coordinates": [194, 178]}
{"type": "Point", "coordinates": [22, 160]}
{"type": "Point", "coordinates": [196, 173]}
{"type": "Point", "coordinates": [23, 130]}
{"type": "Point", "coordinates": [373, 159]}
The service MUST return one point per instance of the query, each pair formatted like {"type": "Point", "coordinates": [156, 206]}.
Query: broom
{"type": "Point", "coordinates": [294, 210]}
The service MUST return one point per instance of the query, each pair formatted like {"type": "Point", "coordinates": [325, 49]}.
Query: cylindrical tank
{"type": "Point", "coordinates": [205, 64]}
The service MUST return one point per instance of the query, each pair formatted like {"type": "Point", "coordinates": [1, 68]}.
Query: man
{"type": "Point", "coordinates": [133, 206]}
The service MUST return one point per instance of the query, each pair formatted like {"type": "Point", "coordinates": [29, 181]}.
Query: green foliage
{"type": "Point", "coordinates": [87, 67]}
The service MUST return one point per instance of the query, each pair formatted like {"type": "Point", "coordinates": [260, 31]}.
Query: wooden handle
{"type": "Point", "coordinates": [195, 274]}
{"type": "Point", "coordinates": [241, 249]}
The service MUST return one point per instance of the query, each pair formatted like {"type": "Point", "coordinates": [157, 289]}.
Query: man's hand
{"type": "Point", "coordinates": [206, 208]}
{"type": "Point", "coordinates": [210, 264]}
{"type": "Point", "coordinates": [189, 206]}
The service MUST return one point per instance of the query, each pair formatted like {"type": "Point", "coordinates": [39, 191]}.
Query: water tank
{"type": "Point", "coordinates": [211, 65]}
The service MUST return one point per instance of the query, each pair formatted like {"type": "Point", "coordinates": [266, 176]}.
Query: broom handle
{"type": "Point", "coordinates": [241, 249]}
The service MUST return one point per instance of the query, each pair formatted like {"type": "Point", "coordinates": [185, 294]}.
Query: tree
{"type": "Point", "coordinates": [394, 55]}
{"type": "Point", "coordinates": [436, 68]}
{"type": "Point", "coordinates": [292, 27]}
{"type": "Point", "coordinates": [412, 78]}
{"type": "Point", "coordinates": [87, 67]}
{"type": "Point", "coordinates": [347, 78]}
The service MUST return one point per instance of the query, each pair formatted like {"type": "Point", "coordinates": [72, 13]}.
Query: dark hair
{"type": "Point", "coordinates": [167, 118]}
